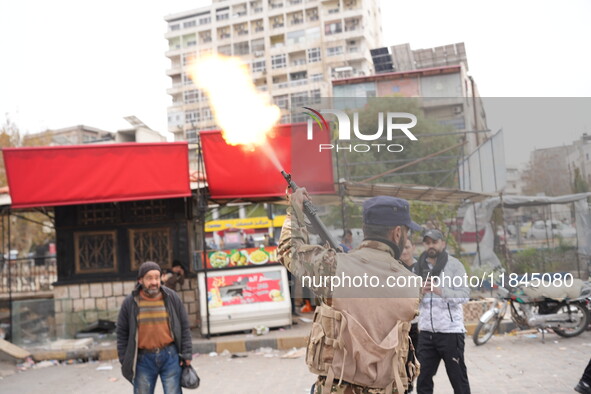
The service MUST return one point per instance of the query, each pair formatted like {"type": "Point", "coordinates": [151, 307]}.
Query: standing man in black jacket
{"type": "Point", "coordinates": [153, 334]}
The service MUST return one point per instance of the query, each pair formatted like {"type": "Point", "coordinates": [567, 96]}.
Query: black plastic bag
{"type": "Point", "coordinates": [189, 377]}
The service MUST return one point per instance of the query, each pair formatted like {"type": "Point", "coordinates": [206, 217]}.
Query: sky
{"type": "Point", "coordinates": [66, 62]}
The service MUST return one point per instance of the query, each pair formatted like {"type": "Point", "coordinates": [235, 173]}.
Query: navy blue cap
{"type": "Point", "coordinates": [388, 211]}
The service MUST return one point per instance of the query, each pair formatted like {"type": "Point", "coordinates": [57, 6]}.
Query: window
{"type": "Point", "coordinates": [189, 24]}
{"type": "Point", "coordinates": [207, 114]}
{"type": "Point", "coordinates": [191, 96]}
{"type": "Point", "coordinates": [334, 51]}
{"type": "Point", "coordinates": [192, 116]}
{"type": "Point", "coordinates": [205, 36]}
{"type": "Point", "coordinates": [278, 61]}
{"type": "Point", "coordinates": [314, 55]}
{"type": "Point", "coordinates": [315, 96]}
{"type": "Point", "coordinates": [241, 48]}
{"type": "Point", "coordinates": [152, 244]}
{"type": "Point", "coordinates": [205, 20]}
{"type": "Point", "coordinates": [281, 101]}
{"type": "Point", "coordinates": [95, 252]}
{"type": "Point", "coordinates": [258, 66]}
{"type": "Point", "coordinates": [295, 37]}
{"type": "Point", "coordinates": [175, 27]}
{"type": "Point", "coordinates": [333, 28]}
{"type": "Point", "coordinates": [188, 58]}
{"type": "Point", "coordinates": [257, 45]}
{"type": "Point", "coordinates": [299, 99]}
{"type": "Point", "coordinates": [225, 50]}
{"type": "Point", "coordinates": [192, 136]}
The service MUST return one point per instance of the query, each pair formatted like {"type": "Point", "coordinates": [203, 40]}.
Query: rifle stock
{"type": "Point", "coordinates": [311, 213]}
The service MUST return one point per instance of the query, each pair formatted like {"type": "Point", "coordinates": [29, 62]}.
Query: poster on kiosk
{"type": "Point", "coordinates": [245, 285]}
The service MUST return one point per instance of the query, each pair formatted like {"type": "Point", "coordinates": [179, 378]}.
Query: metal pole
{"type": "Point", "coordinates": [477, 237]}
{"type": "Point", "coordinates": [202, 210]}
{"type": "Point", "coordinates": [577, 245]}
{"type": "Point", "coordinates": [492, 151]}
{"type": "Point", "coordinates": [506, 251]}
{"type": "Point", "coordinates": [10, 310]}
{"type": "Point", "coordinates": [547, 241]}
{"type": "Point", "coordinates": [341, 191]}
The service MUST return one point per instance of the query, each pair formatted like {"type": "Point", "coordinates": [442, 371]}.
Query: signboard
{"type": "Point", "coordinates": [241, 299]}
{"type": "Point", "coordinates": [245, 288]}
{"type": "Point", "coordinates": [241, 257]}
{"type": "Point", "coordinates": [247, 223]}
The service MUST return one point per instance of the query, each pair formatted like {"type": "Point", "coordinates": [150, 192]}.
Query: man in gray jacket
{"type": "Point", "coordinates": [441, 316]}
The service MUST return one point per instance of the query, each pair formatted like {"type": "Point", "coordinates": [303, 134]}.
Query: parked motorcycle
{"type": "Point", "coordinates": [564, 309]}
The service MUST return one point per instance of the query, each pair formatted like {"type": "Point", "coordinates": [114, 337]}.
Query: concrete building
{"type": "Point", "coordinates": [81, 134]}
{"type": "Point", "coordinates": [439, 76]}
{"type": "Point", "coordinates": [549, 171]}
{"type": "Point", "coordinates": [514, 185]}
{"type": "Point", "coordinates": [293, 48]}
{"type": "Point", "coordinates": [579, 158]}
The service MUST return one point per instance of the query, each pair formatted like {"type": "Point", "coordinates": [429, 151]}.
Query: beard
{"type": "Point", "coordinates": [432, 253]}
{"type": "Point", "coordinates": [151, 291]}
{"type": "Point", "coordinates": [401, 244]}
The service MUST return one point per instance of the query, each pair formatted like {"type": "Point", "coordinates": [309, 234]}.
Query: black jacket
{"type": "Point", "coordinates": [127, 329]}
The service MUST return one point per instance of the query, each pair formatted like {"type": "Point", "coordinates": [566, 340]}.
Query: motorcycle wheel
{"type": "Point", "coordinates": [582, 313]}
{"type": "Point", "coordinates": [485, 330]}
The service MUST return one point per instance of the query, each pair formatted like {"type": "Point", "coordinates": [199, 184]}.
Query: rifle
{"type": "Point", "coordinates": [311, 213]}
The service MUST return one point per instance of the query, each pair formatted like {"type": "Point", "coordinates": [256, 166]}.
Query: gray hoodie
{"type": "Point", "coordinates": [445, 313]}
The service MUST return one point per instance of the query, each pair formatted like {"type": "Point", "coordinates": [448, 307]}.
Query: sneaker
{"type": "Point", "coordinates": [583, 388]}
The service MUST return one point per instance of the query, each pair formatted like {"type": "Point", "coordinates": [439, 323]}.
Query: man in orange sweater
{"type": "Point", "coordinates": [155, 317]}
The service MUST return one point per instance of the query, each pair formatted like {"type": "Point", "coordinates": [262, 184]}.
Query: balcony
{"type": "Point", "coordinates": [316, 77]}
{"type": "Point", "coordinates": [275, 6]}
{"type": "Point", "coordinates": [278, 25]}
{"type": "Point", "coordinates": [298, 62]}
{"type": "Point", "coordinates": [299, 82]}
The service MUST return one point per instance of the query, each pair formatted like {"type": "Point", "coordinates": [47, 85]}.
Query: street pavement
{"type": "Point", "coordinates": [507, 364]}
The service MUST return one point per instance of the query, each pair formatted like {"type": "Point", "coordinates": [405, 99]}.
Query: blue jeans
{"type": "Point", "coordinates": [165, 363]}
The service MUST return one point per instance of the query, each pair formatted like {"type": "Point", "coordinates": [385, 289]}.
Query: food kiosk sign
{"type": "Point", "coordinates": [241, 257]}
{"type": "Point", "coordinates": [249, 288]}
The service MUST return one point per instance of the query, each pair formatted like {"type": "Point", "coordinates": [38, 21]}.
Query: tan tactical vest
{"type": "Point", "coordinates": [364, 341]}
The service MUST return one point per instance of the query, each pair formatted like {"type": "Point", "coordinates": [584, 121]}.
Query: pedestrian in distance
{"type": "Point", "coordinates": [359, 338]}
{"type": "Point", "coordinates": [441, 316]}
{"type": "Point", "coordinates": [153, 334]}
{"type": "Point", "coordinates": [175, 276]}
{"type": "Point", "coordinates": [407, 257]}
{"type": "Point", "coordinates": [346, 241]}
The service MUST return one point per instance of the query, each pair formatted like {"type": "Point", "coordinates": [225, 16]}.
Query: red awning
{"type": "Point", "coordinates": [235, 172]}
{"type": "Point", "coordinates": [82, 174]}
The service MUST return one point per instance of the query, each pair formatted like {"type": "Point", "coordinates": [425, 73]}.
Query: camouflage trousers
{"type": "Point", "coordinates": [347, 388]}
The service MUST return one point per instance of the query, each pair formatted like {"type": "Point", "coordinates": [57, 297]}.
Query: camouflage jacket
{"type": "Point", "coordinates": [303, 259]}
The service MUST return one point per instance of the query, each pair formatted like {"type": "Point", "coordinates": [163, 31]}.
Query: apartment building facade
{"type": "Point", "coordinates": [293, 49]}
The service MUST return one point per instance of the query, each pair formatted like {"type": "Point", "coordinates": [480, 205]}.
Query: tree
{"type": "Point", "coordinates": [579, 184]}
{"type": "Point", "coordinates": [27, 228]}
{"type": "Point", "coordinates": [9, 137]}
{"type": "Point", "coordinates": [438, 171]}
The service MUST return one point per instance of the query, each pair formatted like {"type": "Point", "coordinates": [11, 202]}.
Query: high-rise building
{"type": "Point", "coordinates": [294, 48]}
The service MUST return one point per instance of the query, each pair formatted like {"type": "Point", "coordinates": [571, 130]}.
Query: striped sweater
{"type": "Point", "coordinates": [153, 327]}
